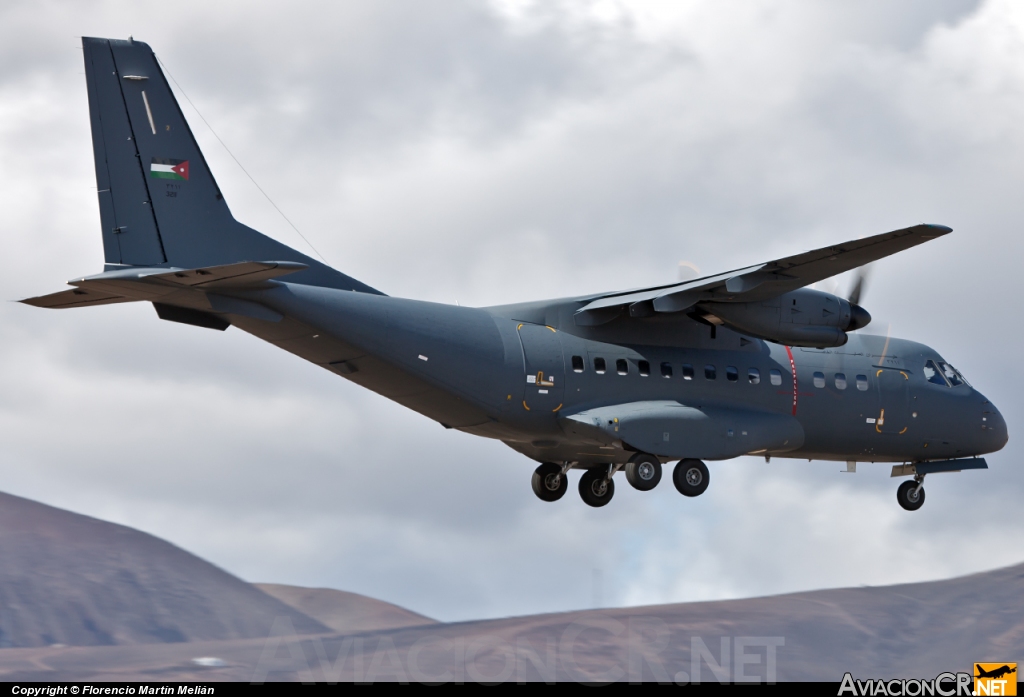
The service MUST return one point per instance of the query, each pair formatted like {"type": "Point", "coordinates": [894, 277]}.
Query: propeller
{"type": "Point", "coordinates": [859, 317]}
{"type": "Point", "coordinates": [859, 282]}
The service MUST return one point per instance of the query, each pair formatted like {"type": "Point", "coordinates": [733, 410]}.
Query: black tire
{"type": "Point", "coordinates": [595, 489]}
{"type": "Point", "coordinates": [549, 483]}
{"type": "Point", "coordinates": [691, 477]}
{"type": "Point", "coordinates": [643, 472]}
{"type": "Point", "coordinates": [909, 496]}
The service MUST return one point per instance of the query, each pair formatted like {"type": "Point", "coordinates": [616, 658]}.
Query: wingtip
{"type": "Point", "coordinates": [939, 229]}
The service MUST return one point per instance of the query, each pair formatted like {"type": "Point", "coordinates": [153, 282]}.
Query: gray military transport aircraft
{"type": "Point", "coordinates": [747, 362]}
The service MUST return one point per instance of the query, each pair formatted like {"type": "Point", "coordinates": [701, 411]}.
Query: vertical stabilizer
{"type": "Point", "coordinates": [159, 202]}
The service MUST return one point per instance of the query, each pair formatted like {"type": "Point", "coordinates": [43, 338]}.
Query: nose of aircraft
{"type": "Point", "coordinates": [993, 427]}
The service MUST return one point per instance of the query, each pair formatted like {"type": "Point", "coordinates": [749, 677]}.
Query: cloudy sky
{"type": "Point", "coordinates": [494, 152]}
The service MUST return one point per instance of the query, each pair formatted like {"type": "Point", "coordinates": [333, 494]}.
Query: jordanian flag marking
{"type": "Point", "coordinates": [162, 168]}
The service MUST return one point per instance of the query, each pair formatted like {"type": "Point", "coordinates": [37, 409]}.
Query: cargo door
{"type": "Point", "coordinates": [544, 368]}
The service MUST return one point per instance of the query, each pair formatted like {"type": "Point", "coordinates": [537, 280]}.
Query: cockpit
{"type": "Point", "coordinates": [942, 373]}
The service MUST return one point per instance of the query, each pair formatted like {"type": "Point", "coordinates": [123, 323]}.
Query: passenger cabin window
{"type": "Point", "coordinates": [599, 365]}
{"type": "Point", "coordinates": [666, 370]}
{"type": "Point", "coordinates": [840, 381]}
{"type": "Point", "coordinates": [731, 373]}
{"type": "Point", "coordinates": [819, 379]}
{"type": "Point", "coordinates": [645, 368]}
{"type": "Point", "coordinates": [621, 366]}
{"type": "Point", "coordinates": [954, 377]}
{"type": "Point", "coordinates": [577, 364]}
{"type": "Point", "coordinates": [687, 371]}
{"type": "Point", "coordinates": [775, 376]}
{"type": "Point", "coordinates": [710, 372]}
{"type": "Point", "coordinates": [753, 376]}
{"type": "Point", "coordinates": [862, 383]}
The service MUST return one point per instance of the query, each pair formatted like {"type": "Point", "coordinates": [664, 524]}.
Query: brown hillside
{"type": "Point", "coordinates": [70, 579]}
{"type": "Point", "coordinates": [342, 611]}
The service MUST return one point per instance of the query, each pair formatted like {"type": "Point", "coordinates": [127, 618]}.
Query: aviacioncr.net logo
{"type": "Point", "coordinates": [945, 685]}
{"type": "Point", "coordinates": [995, 679]}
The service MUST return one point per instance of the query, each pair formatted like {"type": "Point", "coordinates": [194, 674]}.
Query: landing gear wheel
{"type": "Point", "coordinates": [643, 472]}
{"type": "Point", "coordinates": [691, 477]}
{"type": "Point", "coordinates": [549, 483]}
{"type": "Point", "coordinates": [596, 489]}
{"type": "Point", "coordinates": [909, 496]}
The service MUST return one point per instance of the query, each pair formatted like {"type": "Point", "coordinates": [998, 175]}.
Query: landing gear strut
{"type": "Point", "coordinates": [691, 477]}
{"type": "Point", "coordinates": [596, 485]}
{"type": "Point", "coordinates": [911, 494]}
{"type": "Point", "coordinates": [643, 472]}
{"type": "Point", "coordinates": [549, 481]}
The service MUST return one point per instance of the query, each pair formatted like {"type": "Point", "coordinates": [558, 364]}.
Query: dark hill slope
{"type": "Point", "coordinates": [70, 579]}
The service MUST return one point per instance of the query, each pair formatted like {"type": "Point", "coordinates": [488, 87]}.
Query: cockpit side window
{"type": "Point", "coordinates": [951, 373]}
{"type": "Point", "coordinates": [932, 374]}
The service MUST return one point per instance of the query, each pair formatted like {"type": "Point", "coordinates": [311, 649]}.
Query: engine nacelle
{"type": "Point", "coordinates": [803, 317]}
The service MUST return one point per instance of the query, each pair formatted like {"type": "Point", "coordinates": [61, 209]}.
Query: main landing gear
{"type": "Point", "coordinates": [596, 485]}
{"type": "Point", "coordinates": [911, 494]}
{"type": "Point", "coordinates": [691, 477]}
{"type": "Point", "coordinates": [550, 482]}
{"type": "Point", "coordinates": [643, 472]}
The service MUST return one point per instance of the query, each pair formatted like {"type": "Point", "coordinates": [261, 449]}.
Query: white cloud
{"type": "Point", "coordinates": [480, 155]}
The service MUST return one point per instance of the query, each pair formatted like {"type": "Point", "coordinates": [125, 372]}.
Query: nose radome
{"type": "Point", "coordinates": [994, 426]}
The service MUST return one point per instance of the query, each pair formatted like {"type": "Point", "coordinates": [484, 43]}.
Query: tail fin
{"type": "Point", "coordinates": [159, 202]}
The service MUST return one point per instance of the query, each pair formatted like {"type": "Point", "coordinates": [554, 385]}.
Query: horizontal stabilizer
{"type": "Point", "coordinates": [158, 285]}
{"type": "Point", "coordinates": [245, 274]}
{"type": "Point", "coordinates": [76, 297]}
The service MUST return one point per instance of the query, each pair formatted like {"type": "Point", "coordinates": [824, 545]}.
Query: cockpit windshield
{"type": "Point", "coordinates": [952, 374]}
{"type": "Point", "coordinates": [933, 374]}
{"type": "Point", "coordinates": [942, 373]}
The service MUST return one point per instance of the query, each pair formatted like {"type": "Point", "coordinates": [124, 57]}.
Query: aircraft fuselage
{"type": "Point", "coordinates": [511, 374]}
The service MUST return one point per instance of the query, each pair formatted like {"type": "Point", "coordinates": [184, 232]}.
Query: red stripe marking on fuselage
{"type": "Point", "coordinates": [792, 368]}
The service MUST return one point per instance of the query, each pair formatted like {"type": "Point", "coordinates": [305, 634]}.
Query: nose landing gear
{"type": "Point", "coordinates": [911, 494]}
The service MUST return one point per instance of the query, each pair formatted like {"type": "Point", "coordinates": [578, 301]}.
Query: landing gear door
{"type": "Point", "coordinates": [544, 368]}
{"type": "Point", "coordinates": [893, 388]}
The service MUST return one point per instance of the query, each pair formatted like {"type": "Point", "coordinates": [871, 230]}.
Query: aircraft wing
{"type": "Point", "coordinates": [759, 282]}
